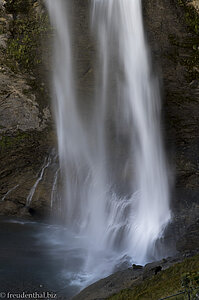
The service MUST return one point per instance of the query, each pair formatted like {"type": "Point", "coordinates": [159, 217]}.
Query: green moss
{"type": "Point", "coordinates": [24, 50]}
{"type": "Point", "coordinates": [165, 283]}
{"type": "Point", "coordinates": [191, 16]}
{"type": "Point", "coordinates": [24, 47]}
{"type": "Point", "coordinates": [7, 142]}
{"type": "Point", "coordinates": [19, 6]}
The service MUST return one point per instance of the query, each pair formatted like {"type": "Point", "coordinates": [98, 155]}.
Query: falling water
{"type": "Point", "coordinates": [9, 191]}
{"type": "Point", "coordinates": [54, 189]}
{"type": "Point", "coordinates": [40, 177]}
{"type": "Point", "coordinates": [119, 28]}
{"type": "Point", "coordinates": [116, 191]}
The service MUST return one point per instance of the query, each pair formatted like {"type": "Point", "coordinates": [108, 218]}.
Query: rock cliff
{"type": "Point", "coordinates": [25, 118]}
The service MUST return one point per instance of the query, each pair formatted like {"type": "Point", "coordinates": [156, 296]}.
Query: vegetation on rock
{"type": "Point", "coordinates": [28, 28]}
{"type": "Point", "coordinates": [177, 278]}
{"type": "Point", "coordinates": [24, 101]}
{"type": "Point", "coordinates": [191, 15]}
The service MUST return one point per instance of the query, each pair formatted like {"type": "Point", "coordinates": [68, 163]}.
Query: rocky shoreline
{"type": "Point", "coordinates": [130, 278]}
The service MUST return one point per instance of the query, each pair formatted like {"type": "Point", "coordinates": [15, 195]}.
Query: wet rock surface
{"type": "Point", "coordinates": [26, 133]}
{"type": "Point", "coordinates": [19, 109]}
{"type": "Point", "coordinates": [172, 37]}
{"type": "Point", "coordinates": [19, 172]}
{"type": "Point", "coordinates": [172, 41]}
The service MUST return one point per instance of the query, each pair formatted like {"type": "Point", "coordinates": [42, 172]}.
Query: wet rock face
{"type": "Point", "coordinates": [23, 155]}
{"type": "Point", "coordinates": [26, 134]}
{"type": "Point", "coordinates": [190, 240]}
{"type": "Point", "coordinates": [173, 39]}
{"type": "Point", "coordinates": [19, 109]}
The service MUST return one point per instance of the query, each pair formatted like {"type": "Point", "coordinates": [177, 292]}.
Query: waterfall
{"type": "Point", "coordinates": [115, 184]}
{"type": "Point", "coordinates": [123, 53]}
{"type": "Point", "coordinates": [9, 191]}
{"type": "Point", "coordinates": [54, 189]}
{"type": "Point", "coordinates": [40, 177]}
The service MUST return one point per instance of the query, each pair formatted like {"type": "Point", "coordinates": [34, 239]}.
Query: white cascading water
{"type": "Point", "coordinates": [113, 224]}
